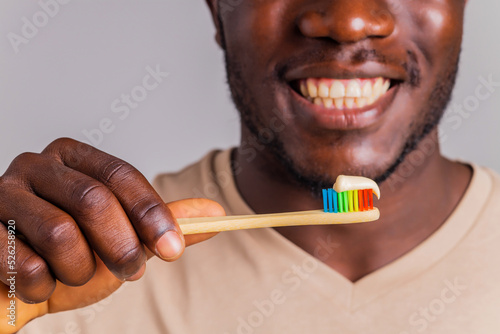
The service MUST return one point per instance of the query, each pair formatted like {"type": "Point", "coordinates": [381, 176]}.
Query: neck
{"type": "Point", "coordinates": [415, 202]}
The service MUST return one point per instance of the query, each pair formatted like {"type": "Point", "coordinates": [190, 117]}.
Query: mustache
{"type": "Point", "coordinates": [325, 55]}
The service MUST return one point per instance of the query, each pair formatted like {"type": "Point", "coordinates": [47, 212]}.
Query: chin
{"type": "Point", "coordinates": [323, 165]}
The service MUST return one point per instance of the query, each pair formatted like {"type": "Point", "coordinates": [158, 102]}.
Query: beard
{"type": "Point", "coordinates": [317, 179]}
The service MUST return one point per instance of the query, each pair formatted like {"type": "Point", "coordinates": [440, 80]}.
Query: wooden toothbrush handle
{"type": "Point", "coordinates": [313, 217]}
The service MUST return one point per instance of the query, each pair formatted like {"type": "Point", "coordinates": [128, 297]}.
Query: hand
{"type": "Point", "coordinates": [82, 219]}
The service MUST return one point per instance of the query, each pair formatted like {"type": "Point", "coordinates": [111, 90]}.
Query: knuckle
{"type": "Point", "coordinates": [57, 148]}
{"type": "Point", "coordinates": [153, 216]}
{"type": "Point", "coordinates": [33, 271]}
{"type": "Point", "coordinates": [35, 283]}
{"type": "Point", "coordinates": [60, 244]}
{"type": "Point", "coordinates": [68, 151]}
{"type": "Point", "coordinates": [91, 195]}
{"type": "Point", "coordinates": [20, 168]}
{"type": "Point", "coordinates": [145, 209]}
{"type": "Point", "coordinates": [129, 256]}
{"type": "Point", "coordinates": [60, 142]}
{"type": "Point", "coordinates": [23, 161]}
{"type": "Point", "coordinates": [25, 157]}
{"type": "Point", "coordinates": [58, 233]}
{"type": "Point", "coordinates": [117, 171]}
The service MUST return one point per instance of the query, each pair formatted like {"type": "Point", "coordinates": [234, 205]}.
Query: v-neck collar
{"type": "Point", "coordinates": [415, 262]}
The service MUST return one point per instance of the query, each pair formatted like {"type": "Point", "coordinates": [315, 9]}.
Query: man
{"type": "Point", "coordinates": [323, 88]}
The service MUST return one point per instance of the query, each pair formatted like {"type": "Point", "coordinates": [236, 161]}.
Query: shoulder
{"type": "Point", "coordinates": [493, 202]}
{"type": "Point", "coordinates": [495, 178]}
{"type": "Point", "coordinates": [486, 193]}
{"type": "Point", "coordinates": [493, 182]}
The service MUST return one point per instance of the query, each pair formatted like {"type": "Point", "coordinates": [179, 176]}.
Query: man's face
{"type": "Point", "coordinates": [358, 82]}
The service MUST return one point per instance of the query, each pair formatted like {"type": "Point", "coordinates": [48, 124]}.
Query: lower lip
{"type": "Point", "coordinates": [345, 119]}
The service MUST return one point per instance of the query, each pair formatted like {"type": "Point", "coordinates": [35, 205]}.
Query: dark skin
{"type": "Point", "coordinates": [432, 36]}
{"type": "Point", "coordinates": [417, 206]}
{"type": "Point", "coordinates": [87, 219]}
{"type": "Point", "coordinates": [434, 192]}
{"type": "Point", "coordinates": [59, 198]}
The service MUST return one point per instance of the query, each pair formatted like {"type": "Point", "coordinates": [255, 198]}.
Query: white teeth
{"type": "Point", "coordinates": [353, 89]}
{"type": "Point", "coordinates": [385, 86]}
{"type": "Point", "coordinates": [337, 90]}
{"type": "Point", "coordinates": [311, 87]}
{"type": "Point", "coordinates": [367, 90]}
{"type": "Point", "coordinates": [323, 90]}
{"type": "Point", "coordinates": [339, 103]}
{"type": "Point", "coordinates": [328, 103]}
{"type": "Point", "coordinates": [343, 93]}
{"type": "Point", "coordinates": [377, 87]}
{"type": "Point", "coordinates": [303, 89]}
{"type": "Point", "coordinates": [349, 102]}
{"type": "Point", "coordinates": [361, 102]}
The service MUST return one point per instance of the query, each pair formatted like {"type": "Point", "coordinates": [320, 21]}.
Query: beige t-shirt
{"type": "Point", "coordinates": [256, 281]}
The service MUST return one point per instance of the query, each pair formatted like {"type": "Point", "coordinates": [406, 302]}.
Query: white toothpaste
{"type": "Point", "coordinates": [345, 183]}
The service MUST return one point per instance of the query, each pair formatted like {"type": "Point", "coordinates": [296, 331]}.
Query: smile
{"type": "Point", "coordinates": [344, 94]}
{"type": "Point", "coordinates": [344, 103]}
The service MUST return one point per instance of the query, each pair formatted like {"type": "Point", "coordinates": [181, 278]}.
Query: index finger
{"type": "Point", "coordinates": [150, 216]}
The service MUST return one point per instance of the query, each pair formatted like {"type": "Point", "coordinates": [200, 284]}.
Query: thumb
{"type": "Point", "coordinates": [15, 313]}
{"type": "Point", "coordinates": [196, 207]}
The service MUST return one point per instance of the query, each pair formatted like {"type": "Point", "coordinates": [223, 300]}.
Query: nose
{"type": "Point", "coordinates": [347, 21]}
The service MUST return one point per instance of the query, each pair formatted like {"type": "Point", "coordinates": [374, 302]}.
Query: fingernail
{"type": "Point", "coordinates": [169, 246]}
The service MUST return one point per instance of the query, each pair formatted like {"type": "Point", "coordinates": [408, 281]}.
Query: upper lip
{"type": "Point", "coordinates": [339, 71]}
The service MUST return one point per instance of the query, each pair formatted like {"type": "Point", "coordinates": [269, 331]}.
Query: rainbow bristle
{"type": "Point", "coordinates": [347, 201]}
{"type": "Point", "coordinates": [360, 200]}
{"type": "Point", "coordinates": [325, 200]}
{"type": "Point", "coordinates": [340, 197]}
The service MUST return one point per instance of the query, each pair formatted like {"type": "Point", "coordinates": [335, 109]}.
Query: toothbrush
{"type": "Point", "coordinates": [349, 201]}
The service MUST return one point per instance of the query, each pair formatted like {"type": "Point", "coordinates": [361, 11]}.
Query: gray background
{"type": "Point", "coordinates": [65, 78]}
